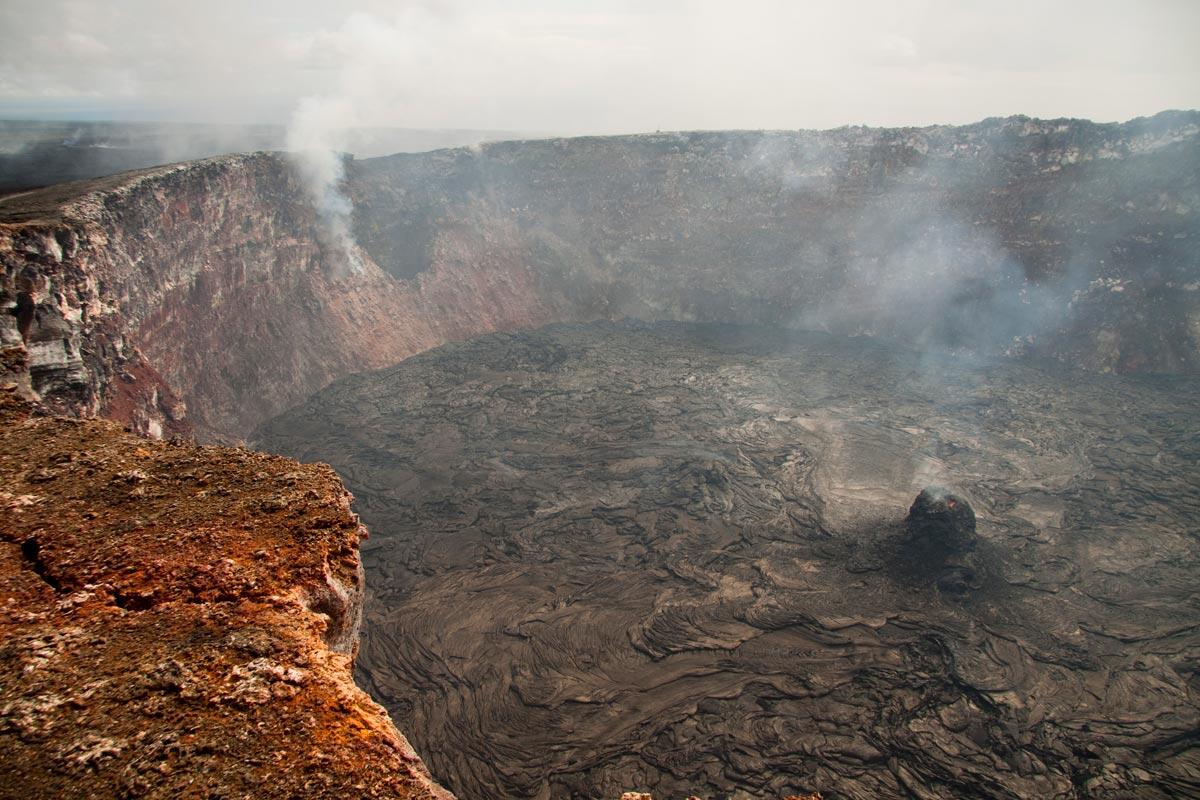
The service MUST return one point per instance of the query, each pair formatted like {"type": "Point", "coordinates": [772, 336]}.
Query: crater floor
{"type": "Point", "coordinates": [671, 557]}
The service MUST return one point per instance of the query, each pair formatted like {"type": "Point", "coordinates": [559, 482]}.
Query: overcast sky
{"type": "Point", "coordinates": [598, 67]}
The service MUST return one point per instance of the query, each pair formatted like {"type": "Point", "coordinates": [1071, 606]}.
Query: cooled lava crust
{"type": "Point", "coordinates": [674, 557]}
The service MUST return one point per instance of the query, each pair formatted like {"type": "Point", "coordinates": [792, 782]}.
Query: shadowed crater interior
{"type": "Point", "coordinates": [687, 559]}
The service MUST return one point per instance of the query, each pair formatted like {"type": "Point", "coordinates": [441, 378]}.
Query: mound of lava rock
{"type": "Point", "coordinates": [941, 521]}
{"type": "Point", "coordinates": [676, 558]}
{"type": "Point", "coordinates": [941, 537]}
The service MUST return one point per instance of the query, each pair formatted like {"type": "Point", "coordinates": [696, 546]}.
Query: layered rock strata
{"type": "Point", "coordinates": [180, 622]}
{"type": "Point", "coordinates": [199, 297]}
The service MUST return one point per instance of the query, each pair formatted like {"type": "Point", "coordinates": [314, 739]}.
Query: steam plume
{"type": "Point", "coordinates": [369, 53]}
{"type": "Point", "coordinates": [316, 139]}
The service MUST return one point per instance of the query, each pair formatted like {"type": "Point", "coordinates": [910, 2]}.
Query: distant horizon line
{"type": "Point", "coordinates": [517, 133]}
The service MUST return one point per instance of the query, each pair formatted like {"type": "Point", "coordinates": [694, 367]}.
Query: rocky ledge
{"type": "Point", "coordinates": [180, 621]}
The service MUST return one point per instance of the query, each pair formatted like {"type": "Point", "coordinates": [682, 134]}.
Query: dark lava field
{"type": "Point", "coordinates": [673, 558]}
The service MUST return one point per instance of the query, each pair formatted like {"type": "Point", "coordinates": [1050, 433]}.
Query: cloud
{"type": "Point", "coordinates": [606, 66]}
{"type": "Point", "coordinates": [893, 49]}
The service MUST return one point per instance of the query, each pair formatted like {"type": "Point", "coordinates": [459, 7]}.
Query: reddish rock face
{"type": "Point", "coordinates": [179, 621]}
{"type": "Point", "coordinates": [198, 298]}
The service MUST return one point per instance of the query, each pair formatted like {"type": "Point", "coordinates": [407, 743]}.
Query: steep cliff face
{"type": "Point", "coordinates": [1064, 238]}
{"type": "Point", "coordinates": [198, 297]}
{"type": "Point", "coordinates": [179, 621]}
{"type": "Point", "coordinates": [208, 282]}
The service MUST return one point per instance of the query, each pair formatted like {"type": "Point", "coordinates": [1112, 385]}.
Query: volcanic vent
{"type": "Point", "coordinates": [677, 557]}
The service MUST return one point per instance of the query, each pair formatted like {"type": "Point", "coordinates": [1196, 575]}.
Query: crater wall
{"type": "Point", "coordinates": [197, 297]}
{"type": "Point", "coordinates": [1062, 238]}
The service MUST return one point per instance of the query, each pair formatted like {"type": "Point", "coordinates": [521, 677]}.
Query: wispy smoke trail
{"type": "Point", "coordinates": [316, 140]}
{"type": "Point", "coordinates": [370, 53]}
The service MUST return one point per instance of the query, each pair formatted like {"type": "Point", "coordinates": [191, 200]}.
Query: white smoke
{"type": "Point", "coordinates": [371, 55]}
{"type": "Point", "coordinates": [316, 139]}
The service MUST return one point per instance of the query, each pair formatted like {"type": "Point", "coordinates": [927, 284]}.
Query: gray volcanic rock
{"type": "Point", "coordinates": [942, 520]}
{"type": "Point", "coordinates": [940, 529]}
{"type": "Point", "coordinates": [676, 558]}
{"type": "Point", "coordinates": [1062, 238]}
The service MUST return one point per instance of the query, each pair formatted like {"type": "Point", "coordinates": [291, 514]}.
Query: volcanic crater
{"type": "Point", "coordinates": [676, 557]}
{"type": "Point", "coordinates": [672, 542]}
